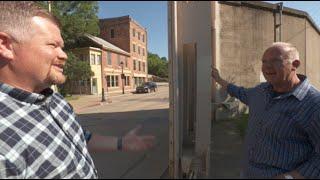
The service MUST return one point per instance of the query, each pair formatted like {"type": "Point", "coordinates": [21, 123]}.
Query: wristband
{"type": "Point", "coordinates": [119, 144]}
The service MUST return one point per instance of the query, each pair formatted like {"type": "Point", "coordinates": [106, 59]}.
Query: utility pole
{"type": "Point", "coordinates": [278, 22]}
{"type": "Point", "coordinates": [122, 77]}
{"type": "Point", "coordinates": [103, 99]}
{"type": "Point", "coordinates": [49, 6]}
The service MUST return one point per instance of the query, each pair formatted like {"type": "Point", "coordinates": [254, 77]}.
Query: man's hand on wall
{"type": "Point", "coordinates": [216, 75]}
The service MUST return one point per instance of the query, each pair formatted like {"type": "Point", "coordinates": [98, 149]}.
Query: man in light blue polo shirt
{"type": "Point", "coordinates": [283, 135]}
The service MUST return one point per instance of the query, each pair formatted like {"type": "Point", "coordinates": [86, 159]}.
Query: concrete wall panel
{"type": "Point", "coordinates": [313, 55]}
{"type": "Point", "coordinates": [294, 31]}
{"type": "Point", "coordinates": [195, 27]}
{"type": "Point", "coordinates": [244, 35]}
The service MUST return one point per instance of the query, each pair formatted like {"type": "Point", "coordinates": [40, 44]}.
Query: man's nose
{"type": "Point", "coordinates": [62, 55]}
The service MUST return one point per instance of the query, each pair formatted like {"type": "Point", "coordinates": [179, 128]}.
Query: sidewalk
{"type": "Point", "coordinates": [87, 101]}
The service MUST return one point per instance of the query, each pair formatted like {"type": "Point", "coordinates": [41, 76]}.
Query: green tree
{"type": "Point", "coordinates": [157, 66]}
{"type": "Point", "coordinates": [75, 71]}
{"type": "Point", "coordinates": [76, 17]}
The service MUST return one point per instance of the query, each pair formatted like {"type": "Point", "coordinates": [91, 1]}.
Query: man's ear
{"type": "Point", "coordinates": [6, 46]}
{"type": "Point", "coordinates": [295, 64]}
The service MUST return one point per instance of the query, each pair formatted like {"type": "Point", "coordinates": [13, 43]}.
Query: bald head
{"type": "Point", "coordinates": [285, 50]}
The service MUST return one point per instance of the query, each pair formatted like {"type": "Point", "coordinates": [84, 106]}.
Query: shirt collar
{"type": "Point", "coordinates": [25, 96]}
{"type": "Point", "coordinates": [299, 92]}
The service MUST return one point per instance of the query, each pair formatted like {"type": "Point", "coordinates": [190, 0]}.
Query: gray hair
{"type": "Point", "coordinates": [290, 52]}
{"type": "Point", "coordinates": [15, 18]}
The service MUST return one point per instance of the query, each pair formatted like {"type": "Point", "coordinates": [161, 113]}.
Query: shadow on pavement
{"type": "Point", "coordinates": [148, 164]}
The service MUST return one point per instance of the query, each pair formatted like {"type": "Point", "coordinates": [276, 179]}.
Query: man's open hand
{"type": "Point", "coordinates": [133, 142]}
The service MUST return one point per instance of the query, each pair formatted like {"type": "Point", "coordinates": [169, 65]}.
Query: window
{"type": "Point", "coordinates": [144, 67]}
{"type": "Point", "coordinates": [142, 37]}
{"type": "Point", "coordinates": [134, 47]}
{"type": "Point", "coordinates": [133, 32]}
{"type": "Point", "coordinates": [139, 35]}
{"type": "Point", "coordinates": [81, 57]}
{"type": "Point", "coordinates": [143, 52]}
{"type": "Point", "coordinates": [109, 58]}
{"type": "Point", "coordinates": [92, 59]}
{"type": "Point", "coordinates": [138, 49]}
{"type": "Point", "coordinates": [108, 78]}
{"type": "Point", "coordinates": [112, 33]}
{"type": "Point", "coordinates": [81, 83]}
{"type": "Point", "coordinates": [112, 81]}
{"type": "Point", "coordinates": [119, 60]}
{"type": "Point", "coordinates": [139, 65]}
{"type": "Point", "coordinates": [99, 59]}
{"type": "Point", "coordinates": [127, 81]}
{"type": "Point", "coordinates": [116, 78]}
{"type": "Point", "coordinates": [134, 65]}
{"type": "Point", "coordinates": [126, 61]}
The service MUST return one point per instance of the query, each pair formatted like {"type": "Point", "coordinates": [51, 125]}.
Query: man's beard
{"type": "Point", "coordinates": [54, 79]}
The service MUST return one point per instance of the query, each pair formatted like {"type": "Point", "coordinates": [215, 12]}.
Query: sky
{"type": "Point", "coordinates": [153, 16]}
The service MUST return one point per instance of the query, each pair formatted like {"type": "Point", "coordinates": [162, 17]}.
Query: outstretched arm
{"type": "Point", "coordinates": [235, 91]}
{"type": "Point", "coordinates": [216, 75]}
{"type": "Point", "coordinates": [130, 142]}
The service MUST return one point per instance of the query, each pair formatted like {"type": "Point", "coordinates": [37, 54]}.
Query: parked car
{"type": "Point", "coordinates": [147, 87]}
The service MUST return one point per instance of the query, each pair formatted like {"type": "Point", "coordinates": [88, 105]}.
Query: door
{"type": "Point", "coordinates": [94, 89]}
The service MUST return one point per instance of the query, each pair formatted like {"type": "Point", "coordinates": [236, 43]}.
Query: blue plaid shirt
{"type": "Point", "coordinates": [40, 137]}
{"type": "Point", "coordinates": [283, 131]}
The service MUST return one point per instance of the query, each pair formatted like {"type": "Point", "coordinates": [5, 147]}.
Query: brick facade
{"type": "Point", "coordinates": [128, 35]}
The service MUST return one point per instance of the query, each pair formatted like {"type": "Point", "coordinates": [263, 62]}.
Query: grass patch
{"type": "Point", "coordinates": [241, 124]}
{"type": "Point", "coordinates": [70, 98]}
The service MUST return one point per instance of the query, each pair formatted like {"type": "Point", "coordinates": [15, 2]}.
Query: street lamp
{"type": "Point", "coordinates": [122, 76]}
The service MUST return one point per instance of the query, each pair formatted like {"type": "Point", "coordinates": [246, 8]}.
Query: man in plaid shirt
{"type": "Point", "coordinates": [39, 135]}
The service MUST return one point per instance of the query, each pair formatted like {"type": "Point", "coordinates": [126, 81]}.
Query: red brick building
{"type": "Point", "coordinates": [108, 62]}
{"type": "Point", "coordinates": [127, 34]}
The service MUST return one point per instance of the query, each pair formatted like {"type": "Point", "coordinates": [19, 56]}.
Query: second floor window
{"type": "Point", "coordinates": [99, 59]}
{"type": "Point", "coordinates": [126, 62]}
{"type": "Point", "coordinates": [142, 37]}
{"type": "Point", "coordinates": [112, 33]}
{"type": "Point", "coordinates": [134, 47]}
{"type": "Point", "coordinates": [133, 32]}
{"type": "Point", "coordinates": [138, 49]}
{"type": "Point", "coordinates": [144, 67]}
{"type": "Point", "coordinates": [92, 59]}
{"type": "Point", "coordinates": [109, 58]}
{"type": "Point", "coordinates": [119, 59]}
{"type": "Point", "coordinates": [134, 65]}
{"type": "Point", "coordinates": [143, 52]}
{"type": "Point", "coordinates": [139, 65]}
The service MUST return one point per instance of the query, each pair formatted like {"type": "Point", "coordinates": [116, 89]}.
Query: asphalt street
{"type": "Point", "coordinates": [117, 118]}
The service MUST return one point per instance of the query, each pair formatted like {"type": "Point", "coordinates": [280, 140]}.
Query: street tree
{"type": "Point", "coordinates": [157, 66]}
